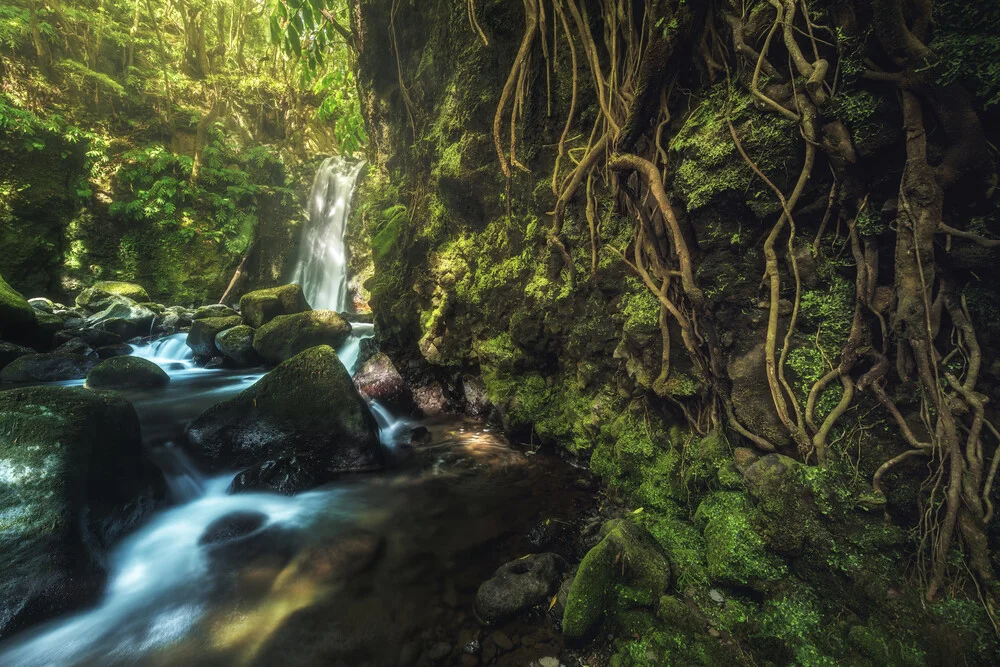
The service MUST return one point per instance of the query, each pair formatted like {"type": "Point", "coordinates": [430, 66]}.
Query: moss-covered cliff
{"type": "Point", "coordinates": [777, 447]}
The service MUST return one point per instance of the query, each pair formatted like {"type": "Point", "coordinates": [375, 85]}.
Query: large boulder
{"type": "Point", "coordinates": [287, 335]}
{"type": "Point", "coordinates": [9, 352]}
{"type": "Point", "coordinates": [14, 308]}
{"type": "Point", "coordinates": [518, 586]}
{"type": "Point", "coordinates": [123, 317]}
{"type": "Point", "coordinates": [105, 288]}
{"type": "Point", "coordinates": [95, 338]}
{"type": "Point", "coordinates": [52, 367]}
{"type": "Point", "coordinates": [213, 310]}
{"type": "Point", "coordinates": [301, 425]}
{"type": "Point", "coordinates": [74, 480]}
{"type": "Point", "coordinates": [122, 372]}
{"type": "Point", "coordinates": [262, 306]}
{"type": "Point", "coordinates": [201, 337]}
{"type": "Point", "coordinates": [379, 380]}
{"type": "Point", "coordinates": [236, 344]}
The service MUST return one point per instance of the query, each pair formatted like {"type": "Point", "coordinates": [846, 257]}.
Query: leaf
{"type": "Point", "coordinates": [552, 603]}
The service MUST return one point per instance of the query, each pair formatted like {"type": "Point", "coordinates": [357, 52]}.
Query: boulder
{"type": "Point", "coordinates": [518, 586]}
{"type": "Point", "coordinates": [301, 425]}
{"type": "Point", "coordinates": [287, 335]}
{"type": "Point", "coordinates": [76, 346]}
{"type": "Point", "coordinates": [379, 381]}
{"type": "Point", "coordinates": [108, 351]}
{"type": "Point", "coordinates": [201, 337]}
{"type": "Point", "coordinates": [214, 310]}
{"type": "Point", "coordinates": [105, 288]}
{"type": "Point", "coordinates": [124, 372]}
{"type": "Point", "coordinates": [236, 344]}
{"type": "Point", "coordinates": [95, 338]}
{"type": "Point", "coordinates": [123, 317]}
{"type": "Point", "coordinates": [51, 367]}
{"type": "Point", "coordinates": [74, 481]}
{"type": "Point", "coordinates": [9, 352]}
{"type": "Point", "coordinates": [626, 555]}
{"type": "Point", "coordinates": [42, 305]}
{"type": "Point", "coordinates": [14, 308]}
{"type": "Point", "coordinates": [263, 305]}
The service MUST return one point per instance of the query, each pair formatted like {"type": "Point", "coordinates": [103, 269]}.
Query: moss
{"type": "Point", "coordinates": [626, 568]}
{"type": "Point", "coordinates": [883, 648]}
{"type": "Point", "coordinates": [261, 306]}
{"type": "Point", "coordinates": [14, 308]}
{"type": "Point", "coordinates": [735, 552]}
{"type": "Point", "coordinates": [126, 372]}
{"type": "Point", "coordinates": [387, 231]}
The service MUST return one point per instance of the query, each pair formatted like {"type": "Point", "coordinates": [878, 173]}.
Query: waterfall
{"type": "Point", "coordinates": [321, 269]}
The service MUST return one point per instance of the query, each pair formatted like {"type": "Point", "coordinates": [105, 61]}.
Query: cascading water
{"type": "Point", "coordinates": [321, 269]}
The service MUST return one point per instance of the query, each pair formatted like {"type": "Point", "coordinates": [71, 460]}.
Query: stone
{"type": "Point", "coordinates": [261, 306]}
{"type": "Point", "coordinates": [42, 305]}
{"type": "Point", "coordinates": [214, 310]}
{"type": "Point", "coordinates": [752, 398]}
{"type": "Point", "coordinates": [51, 367]}
{"type": "Point", "coordinates": [9, 352]}
{"type": "Point", "coordinates": [95, 338]}
{"type": "Point", "coordinates": [108, 351]}
{"type": "Point", "coordinates": [122, 316]}
{"type": "Point", "coordinates": [518, 586]}
{"type": "Point", "coordinates": [232, 526]}
{"type": "Point", "coordinates": [201, 337]}
{"type": "Point", "coordinates": [127, 372]}
{"type": "Point", "coordinates": [378, 380]}
{"type": "Point", "coordinates": [287, 335]}
{"type": "Point", "coordinates": [626, 554]}
{"type": "Point", "coordinates": [104, 288]}
{"type": "Point", "coordinates": [14, 308]}
{"type": "Point", "coordinates": [236, 344]}
{"type": "Point", "coordinates": [75, 480]}
{"type": "Point", "coordinates": [301, 425]}
{"type": "Point", "coordinates": [76, 346]}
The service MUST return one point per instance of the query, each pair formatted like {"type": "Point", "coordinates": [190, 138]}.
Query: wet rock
{"type": "Point", "coordinates": [477, 402]}
{"type": "Point", "coordinates": [626, 554]}
{"type": "Point", "coordinates": [439, 651]}
{"type": "Point", "coordinates": [379, 380]}
{"type": "Point", "coordinates": [261, 306]}
{"type": "Point", "coordinates": [42, 305]}
{"type": "Point", "coordinates": [9, 352]}
{"type": "Point", "coordinates": [287, 335]}
{"type": "Point", "coordinates": [360, 318]}
{"type": "Point", "coordinates": [95, 338]}
{"type": "Point", "coordinates": [502, 641]}
{"type": "Point", "coordinates": [301, 425]}
{"type": "Point", "coordinates": [430, 399]}
{"type": "Point", "coordinates": [75, 480]}
{"type": "Point", "coordinates": [122, 316]}
{"type": "Point", "coordinates": [127, 372]}
{"type": "Point", "coordinates": [201, 337]}
{"type": "Point", "coordinates": [108, 351]}
{"type": "Point", "coordinates": [50, 367]}
{"type": "Point", "coordinates": [76, 346]}
{"type": "Point", "coordinates": [232, 526]}
{"type": "Point", "coordinates": [214, 310]}
{"type": "Point", "coordinates": [517, 586]}
{"type": "Point", "coordinates": [236, 344]}
{"type": "Point", "coordinates": [14, 308]}
{"type": "Point", "coordinates": [88, 298]}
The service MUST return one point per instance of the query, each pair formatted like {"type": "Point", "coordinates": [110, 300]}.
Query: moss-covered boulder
{"type": "Point", "coordinates": [734, 549]}
{"type": "Point", "coordinates": [214, 310]}
{"type": "Point", "coordinates": [301, 425]}
{"type": "Point", "coordinates": [14, 308]}
{"type": "Point", "coordinates": [201, 336]}
{"type": "Point", "coordinates": [74, 481]}
{"type": "Point", "coordinates": [122, 316]}
{"type": "Point", "coordinates": [262, 306]}
{"type": "Point", "coordinates": [41, 304]}
{"type": "Point", "coordinates": [236, 344]}
{"type": "Point", "coordinates": [103, 288]}
{"type": "Point", "coordinates": [52, 367]}
{"type": "Point", "coordinates": [123, 372]}
{"type": "Point", "coordinates": [287, 335]}
{"type": "Point", "coordinates": [626, 562]}
{"type": "Point", "coordinates": [9, 352]}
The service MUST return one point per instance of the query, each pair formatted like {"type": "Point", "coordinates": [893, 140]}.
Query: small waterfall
{"type": "Point", "coordinates": [321, 269]}
{"type": "Point", "coordinates": [166, 351]}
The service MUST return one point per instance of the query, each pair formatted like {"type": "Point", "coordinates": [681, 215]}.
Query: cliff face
{"type": "Point", "coordinates": [528, 265]}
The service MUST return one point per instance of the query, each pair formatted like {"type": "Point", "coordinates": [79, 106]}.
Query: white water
{"type": "Point", "coordinates": [322, 264]}
{"type": "Point", "coordinates": [166, 351]}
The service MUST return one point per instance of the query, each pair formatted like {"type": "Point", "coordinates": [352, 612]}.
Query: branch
{"type": "Point", "coordinates": [344, 32]}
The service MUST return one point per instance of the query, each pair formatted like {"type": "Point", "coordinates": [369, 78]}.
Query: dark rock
{"type": "Point", "coordinates": [122, 316]}
{"type": "Point", "coordinates": [379, 380]}
{"type": "Point", "coordinates": [127, 373]}
{"type": "Point", "coordinates": [300, 425]}
{"type": "Point", "coordinates": [76, 481]}
{"type": "Point", "coordinates": [477, 402]}
{"type": "Point", "coordinates": [260, 307]}
{"type": "Point", "coordinates": [88, 298]}
{"type": "Point", "coordinates": [76, 346]}
{"type": "Point", "coordinates": [236, 344]}
{"type": "Point", "coordinates": [214, 310]}
{"type": "Point", "coordinates": [108, 351]}
{"type": "Point", "coordinates": [287, 335]}
{"type": "Point", "coordinates": [752, 398]}
{"type": "Point", "coordinates": [367, 348]}
{"type": "Point", "coordinates": [9, 352]}
{"type": "Point", "coordinates": [232, 526]}
{"type": "Point", "coordinates": [430, 399]}
{"type": "Point", "coordinates": [95, 338]}
{"type": "Point", "coordinates": [50, 367]}
{"type": "Point", "coordinates": [14, 308]}
{"type": "Point", "coordinates": [42, 305]}
{"type": "Point", "coordinates": [201, 337]}
{"type": "Point", "coordinates": [517, 586]}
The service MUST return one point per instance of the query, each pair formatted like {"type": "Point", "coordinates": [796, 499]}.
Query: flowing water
{"type": "Point", "coordinates": [322, 264]}
{"type": "Point", "coordinates": [372, 569]}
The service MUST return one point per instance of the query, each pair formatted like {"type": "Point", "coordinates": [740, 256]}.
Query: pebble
{"type": "Point", "coordinates": [439, 651]}
{"type": "Point", "coordinates": [716, 596]}
{"type": "Point", "coordinates": [548, 661]}
{"type": "Point", "coordinates": [502, 641]}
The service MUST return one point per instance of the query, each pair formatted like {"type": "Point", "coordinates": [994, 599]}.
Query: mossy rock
{"type": "Point", "coordinates": [214, 310]}
{"type": "Point", "coordinates": [103, 288]}
{"type": "Point", "coordinates": [14, 308]}
{"type": "Point", "coordinates": [735, 552]}
{"type": "Point", "coordinates": [236, 344]}
{"type": "Point", "coordinates": [127, 373]}
{"type": "Point", "coordinates": [626, 556]}
{"type": "Point", "coordinates": [9, 352]}
{"type": "Point", "coordinates": [287, 335]}
{"type": "Point", "coordinates": [262, 306]}
{"type": "Point", "coordinates": [52, 367]}
{"type": "Point", "coordinates": [201, 336]}
{"type": "Point", "coordinates": [75, 481]}
{"type": "Point", "coordinates": [300, 426]}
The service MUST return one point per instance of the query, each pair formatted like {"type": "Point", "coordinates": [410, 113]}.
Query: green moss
{"type": "Point", "coordinates": [735, 552]}
{"type": "Point", "coordinates": [14, 308]}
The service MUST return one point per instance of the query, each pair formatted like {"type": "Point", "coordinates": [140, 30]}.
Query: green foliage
{"type": "Point", "coordinates": [968, 46]}
{"type": "Point", "coordinates": [734, 550]}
